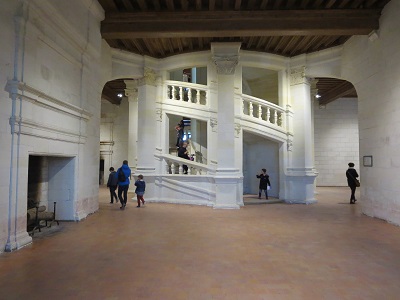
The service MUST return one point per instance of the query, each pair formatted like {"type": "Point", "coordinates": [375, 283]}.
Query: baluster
{"type": "Point", "coordinates": [180, 169]}
{"type": "Point", "coordinates": [198, 172]}
{"type": "Point", "coordinates": [190, 95]}
{"type": "Point", "coordinates": [276, 117]}
{"type": "Point", "coordinates": [166, 167]}
{"type": "Point", "coordinates": [282, 119]}
{"type": "Point", "coordinates": [197, 96]}
{"type": "Point", "coordinates": [243, 106]}
{"type": "Point", "coordinates": [172, 168]}
{"type": "Point", "coordinates": [259, 111]}
{"type": "Point", "coordinates": [251, 108]}
{"type": "Point", "coordinates": [180, 93]}
{"type": "Point", "coordinates": [168, 92]}
{"type": "Point", "coordinates": [268, 114]}
{"type": "Point", "coordinates": [173, 92]}
{"type": "Point", "coordinates": [189, 172]}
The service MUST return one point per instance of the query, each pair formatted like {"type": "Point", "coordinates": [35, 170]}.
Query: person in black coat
{"type": "Point", "coordinates": [183, 153]}
{"type": "Point", "coordinates": [264, 183]}
{"type": "Point", "coordinates": [351, 175]}
{"type": "Point", "coordinates": [112, 184]}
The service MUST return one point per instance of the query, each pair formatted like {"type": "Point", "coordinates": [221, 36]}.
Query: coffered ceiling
{"type": "Point", "coordinates": [162, 28]}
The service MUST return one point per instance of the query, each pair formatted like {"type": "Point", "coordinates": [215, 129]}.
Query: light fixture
{"type": "Point", "coordinates": [317, 96]}
{"type": "Point", "coordinates": [120, 95]}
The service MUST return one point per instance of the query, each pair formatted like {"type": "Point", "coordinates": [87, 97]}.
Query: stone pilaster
{"type": "Point", "coordinates": [131, 92]}
{"type": "Point", "coordinates": [146, 127]}
{"type": "Point", "coordinates": [300, 169]}
{"type": "Point", "coordinates": [227, 178]}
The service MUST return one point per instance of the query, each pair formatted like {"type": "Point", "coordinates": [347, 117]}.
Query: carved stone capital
{"type": "Point", "coordinates": [289, 144]}
{"type": "Point", "coordinates": [226, 64]}
{"type": "Point", "coordinates": [298, 76]}
{"type": "Point", "coordinates": [149, 77]}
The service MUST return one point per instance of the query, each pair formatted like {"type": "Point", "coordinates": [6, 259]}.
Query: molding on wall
{"type": "Point", "coordinates": [40, 98]}
{"type": "Point", "coordinates": [49, 132]}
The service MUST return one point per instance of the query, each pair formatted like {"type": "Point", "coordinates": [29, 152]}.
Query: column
{"type": "Point", "coordinates": [227, 177]}
{"type": "Point", "coordinates": [131, 92]}
{"type": "Point", "coordinates": [301, 172]}
{"type": "Point", "coordinates": [146, 135]}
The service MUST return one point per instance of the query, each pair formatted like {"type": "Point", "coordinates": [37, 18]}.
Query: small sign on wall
{"type": "Point", "coordinates": [367, 161]}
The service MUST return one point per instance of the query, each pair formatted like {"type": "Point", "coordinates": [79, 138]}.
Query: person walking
{"type": "Point", "coordinates": [352, 181]}
{"type": "Point", "coordinates": [124, 175]}
{"type": "Point", "coordinates": [112, 184]}
{"type": "Point", "coordinates": [140, 189]}
{"type": "Point", "coordinates": [265, 184]}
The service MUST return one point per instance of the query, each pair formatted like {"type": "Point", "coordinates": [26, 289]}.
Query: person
{"type": "Point", "coordinates": [140, 189]}
{"type": "Point", "coordinates": [264, 183]}
{"type": "Point", "coordinates": [183, 153]}
{"type": "Point", "coordinates": [123, 175]}
{"type": "Point", "coordinates": [179, 132]}
{"type": "Point", "coordinates": [112, 184]}
{"type": "Point", "coordinates": [351, 175]}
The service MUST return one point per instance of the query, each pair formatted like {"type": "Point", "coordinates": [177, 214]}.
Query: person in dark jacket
{"type": "Point", "coordinates": [183, 153]}
{"type": "Point", "coordinates": [264, 183]}
{"type": "Point", "coordinates": [352, 175]}
{"type": "Point", "coordinates": [112, 184]}
{"type": "Point", "coordinates": [140, 189]}
{"type": "Point", "coordinates": [180, 128]}
{"type": "Point", "coordinates": [123, 175]}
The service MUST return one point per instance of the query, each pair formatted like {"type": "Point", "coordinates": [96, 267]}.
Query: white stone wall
{"type": "Point", "coordinates": [336, 140]}
{"type": "Point", "coordinates": [58, 83]}
{"type": "Point", "coordinates": [114, 135]}
{"type": "Point", "coordinates": [373, 66]}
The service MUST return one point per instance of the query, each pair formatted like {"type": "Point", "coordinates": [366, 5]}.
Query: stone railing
{"type": "Point", "coordinates": [174, 165]}
{"type": "Point", "coordinates": [263, 110]}
{"type": "Point", "coordinates": [190, 93]}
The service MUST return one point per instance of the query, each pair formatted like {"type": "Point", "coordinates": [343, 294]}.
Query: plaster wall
{"type": "Point", "coordinates": [336, 140]}
{"type": "Point", "coordinates": [373, 66]}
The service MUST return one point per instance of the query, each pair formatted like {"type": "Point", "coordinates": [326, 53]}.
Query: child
{"type": "Point", "coordinates": [140, 188]}
{"type": "Point", "coordinates": [112, 184]}
{"type": "Point", "coordinates": [265, 184]}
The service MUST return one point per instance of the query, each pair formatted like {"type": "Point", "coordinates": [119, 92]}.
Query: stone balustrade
{"type": "Point", "coordinates": [174, 165]}
{"type": "Point", "coordinates": [263, 110]}
{"type": "Point", "coordinates": [190, 93]}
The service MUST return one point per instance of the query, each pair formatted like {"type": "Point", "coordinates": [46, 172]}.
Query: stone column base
{"type": "Point", "coordinates": [23, 239]}
{"type": "Point", "coordinates": [300, 188]}
{"type": "Point", "coordinates": [228, 191]}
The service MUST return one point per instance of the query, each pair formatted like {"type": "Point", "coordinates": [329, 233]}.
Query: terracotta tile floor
{"type": "Point", "coordinates": [270, 251]}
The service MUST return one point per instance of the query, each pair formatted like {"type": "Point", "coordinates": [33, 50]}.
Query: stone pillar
{"type": "Point", "coordinates": [227, 178]}
{"type": "Point", "coordinates": [301, 171]}
{"type": "Point", "coordinates": [131, 92]}
{"type": "Point", "coordinates": [146, 136]}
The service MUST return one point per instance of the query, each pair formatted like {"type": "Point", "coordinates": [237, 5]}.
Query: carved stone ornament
{"type": "Point", "coordinates": [132, 94]}
{"type": "Point", "coordinates": [289, 145]}
{"type": "Point", "coordinates": [149, 77]}
{"type": "Point", "coordinates": [298, 76]}
{"type": "Point", "coordinates": [213, 124]}
{"type": "Point", "coordinates": [226, 64]}
{"type": "Point", "coordinates": [159, 114]}
{"type": "Point", "coordinates": [238, 128]}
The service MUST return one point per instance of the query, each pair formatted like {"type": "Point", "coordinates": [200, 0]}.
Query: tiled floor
{"type": "Point", "coordinates": [270, 251]}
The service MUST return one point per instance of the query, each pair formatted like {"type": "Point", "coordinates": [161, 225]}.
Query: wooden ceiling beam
{"type": "Point", "coordinates": [129, 25]}
{"type": "Point", "coordinates": [337, 92]}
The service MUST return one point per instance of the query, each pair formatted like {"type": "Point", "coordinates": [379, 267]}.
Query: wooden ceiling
{"type": "Point", "coordinates": [162, 28]}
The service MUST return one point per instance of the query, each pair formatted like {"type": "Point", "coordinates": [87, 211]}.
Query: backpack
{"type": "Point", "coordinates": [121, 175]}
